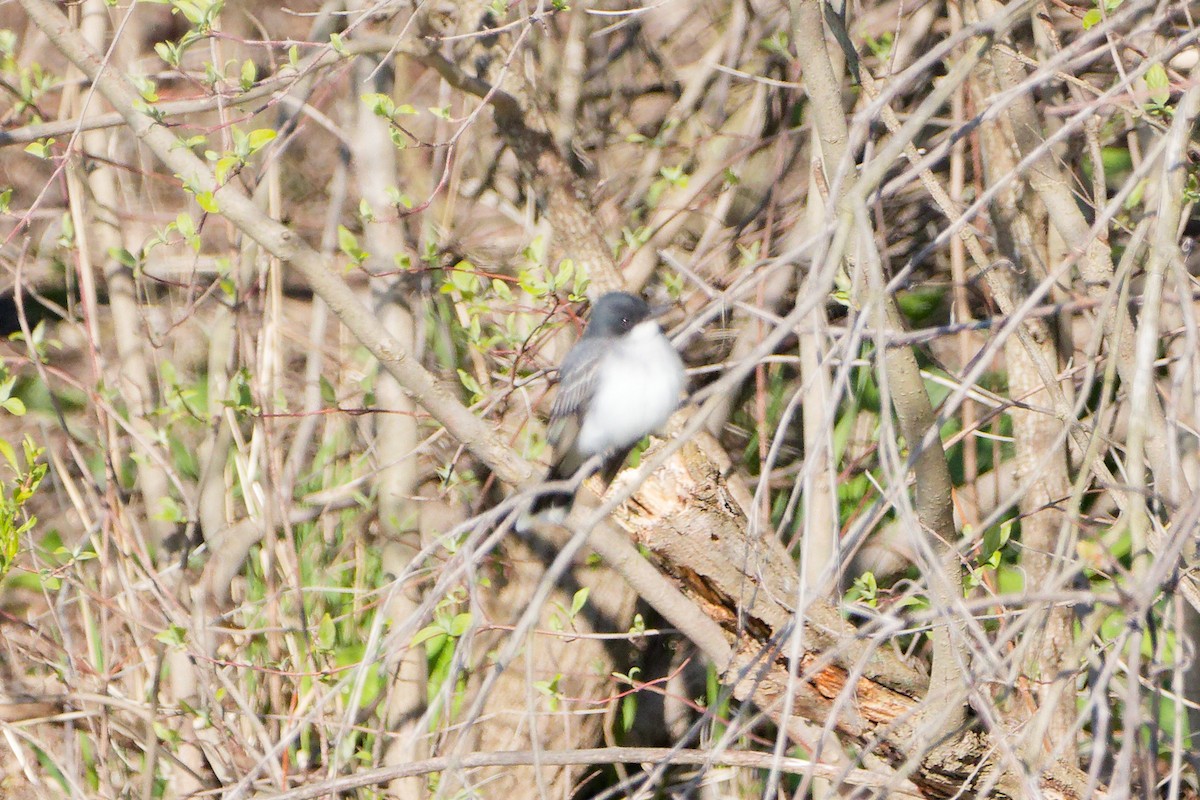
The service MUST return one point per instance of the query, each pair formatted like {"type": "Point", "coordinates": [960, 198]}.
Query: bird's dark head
{"type": "Point", "coordinates": [616, 313]}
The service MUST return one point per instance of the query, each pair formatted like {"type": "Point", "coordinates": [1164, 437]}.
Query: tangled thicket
{"type": "Point", "coordinates": [284, 286]}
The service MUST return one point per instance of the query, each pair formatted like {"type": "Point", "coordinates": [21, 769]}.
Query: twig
{"type": "Point", "coordinates": [607, 755]}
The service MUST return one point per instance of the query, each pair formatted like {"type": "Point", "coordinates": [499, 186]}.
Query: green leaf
{"type": "Point", "coordinates": [995, 538]}
{"type": "Point", "coordinates": [463, 278]}
{"type": "Point", "coordinates": [153, 112]}
{"type": "Point", "coordinates": [260, 137]}
{"type": "Point", "coordinates": [1116, 159]}
{"type": "Point", "coordinates": [427, 634]}
{"type": "Point", "coordinates": [189, 9]}
{"type": "Point", "coordinates": [628, 712]}
{"type": "Point", "coordinates": [550, 689]}
{"type": "Point", "coordinates": [9, 454]}
{"type": "Point", "coordinates": [249, 74]}
{"type": "Point", "coordinates": [326, 633]}
{"type": "Point", "coordinates": [1134, 198]}
{"type": "Point", "coordinates": [14, 406]}
{"type": "Point", "coordinates": [224, 166]}
{"type": "Point", "coordinates": [398, 198]}
{"type": "Point", "coordinates": [675, 175]}
{"type": "Point", "coordinates": [1158, 83]}
{"type": "Point", "coordinates": [865, 589]}
{"type": "Point", "coordinates": [460, 624]}
{"type": "Point", "coordinates": [40, 148]}
{"type": "Point", "coordinates": [1091, 19]}
{"type": "Point", "coordinates": [530, 284]}
{"type": "Point", "coordinates": [348, 244]}
{"type": "Point", "coordinates": [146, 87]}
{"type": "Point", "coordinates": [564, 275]}
{"type": "Point", "coordinates": [167, 53]}
{"type": "Point", "coordinates": [207, 202]}
{"type": "Point", "coordinates": [579, 601]}
{"type": "Point", "coordinates": [920, 303]}
{"type": "Point", "coordinates": [169, 511]}
{"type": "Point", "coordinates": [174, 635]}
{"type": "Point", "coordinates": [328, 395]}
{"type": "Point", "coordinates": [381, 105]}
{"type": "Point", "coordinates": [468, 380]}
{"type": "Point", "coordinates": [881, 48]}
{"type": "Point", "coordinates": [5, 198]}
{"type": "Point", "coordinates": [123, 257]}
{"type": "Point", "coordinates": [776, 43]}
{"type": "Point", "coordinates": [1010, 581]}
{"type": "Point", "coordinates": [165, 733]}
{"type": "Point", "coordinates": [185, 225]}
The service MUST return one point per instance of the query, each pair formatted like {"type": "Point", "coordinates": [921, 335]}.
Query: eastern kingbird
{"type": "Point", "coordinates": [620, 382]}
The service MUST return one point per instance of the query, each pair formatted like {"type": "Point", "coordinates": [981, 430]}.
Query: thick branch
{"type": "Point", "coordinates": [607, 755]}
{"type": "Point", "coordinates": [846, 678]}
{"type": "Point", "coordinates": [911, 402]}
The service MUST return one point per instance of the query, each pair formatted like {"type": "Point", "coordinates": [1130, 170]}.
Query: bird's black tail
{"type": "Point", "coordinates": [554, 505]}
{"type": "Point", "coordinates": [551, 506]}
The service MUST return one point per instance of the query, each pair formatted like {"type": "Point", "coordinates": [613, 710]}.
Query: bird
{"type": "Point", "coordinates": [620, 382]}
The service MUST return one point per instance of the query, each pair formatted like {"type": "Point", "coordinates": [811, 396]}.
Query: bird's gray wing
{"type": "Point", "coordinates": [578, 376]}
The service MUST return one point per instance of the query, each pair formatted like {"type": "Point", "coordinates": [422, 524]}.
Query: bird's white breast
{"type": "Point", "coordinates": [637, 392]}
